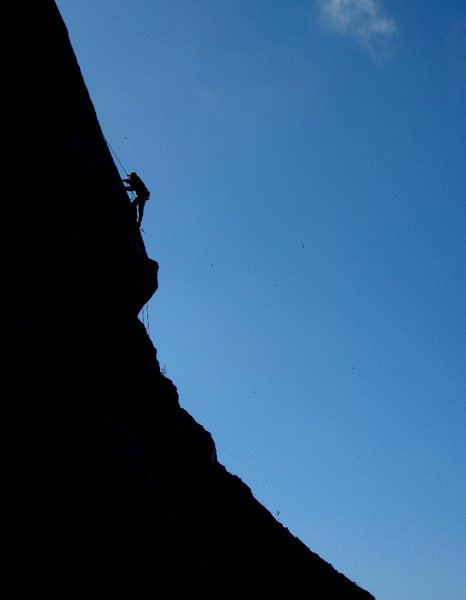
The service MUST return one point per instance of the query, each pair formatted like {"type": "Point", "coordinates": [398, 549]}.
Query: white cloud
{"type": "Point", "coordinates": [363, 20]}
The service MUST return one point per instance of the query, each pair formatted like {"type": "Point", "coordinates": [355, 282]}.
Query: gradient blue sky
{"type": "Point", "coordinates": [306, 162]}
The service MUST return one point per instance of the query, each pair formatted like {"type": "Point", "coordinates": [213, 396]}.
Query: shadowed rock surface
{"type": "Point", "coordinates": [117, 491]}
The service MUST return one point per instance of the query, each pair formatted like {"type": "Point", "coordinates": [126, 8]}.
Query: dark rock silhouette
{"type": "Point", "coordinates": [116, 491]}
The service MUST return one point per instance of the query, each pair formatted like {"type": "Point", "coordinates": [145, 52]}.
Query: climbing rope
{"type": "Point", "coordinates": [115, 155]}
{"type": "Point", "coordinates": [144, 316]}
{"type": "Point", "coordinates": [141, 316]}
{"type": "Point", "coordinates": [147, 320]}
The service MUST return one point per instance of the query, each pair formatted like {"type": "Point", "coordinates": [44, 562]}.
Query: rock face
{"type": "Point", "coordinates": [117, 492]}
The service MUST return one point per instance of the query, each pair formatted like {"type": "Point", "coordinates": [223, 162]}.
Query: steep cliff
{"type": "Point", "coordinates": [117, 491]}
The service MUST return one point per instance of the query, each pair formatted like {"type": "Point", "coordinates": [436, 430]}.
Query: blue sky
{"type": "Point", "coordinates": [306, 162]}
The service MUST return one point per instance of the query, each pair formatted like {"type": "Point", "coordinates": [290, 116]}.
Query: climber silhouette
{"type": "Point", "coordinates": [135, 184]}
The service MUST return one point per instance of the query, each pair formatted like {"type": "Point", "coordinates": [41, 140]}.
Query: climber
{"type": "Point", "coordinates": [135, 184]}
